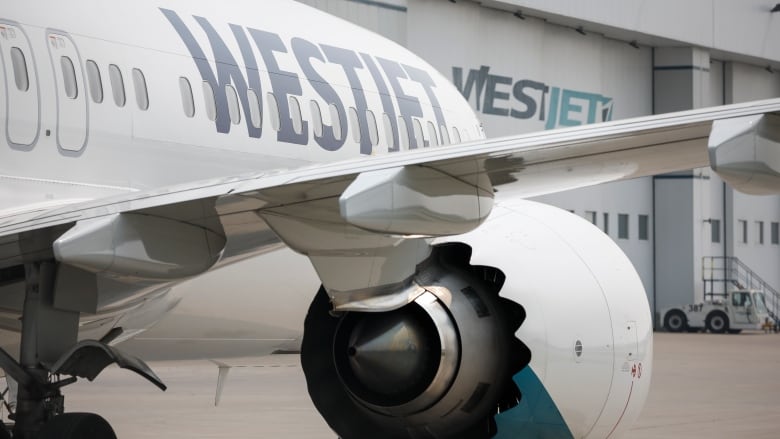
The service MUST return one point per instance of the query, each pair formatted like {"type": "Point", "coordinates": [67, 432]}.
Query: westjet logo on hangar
{"type": "Point", "coordinates": [528, 99]}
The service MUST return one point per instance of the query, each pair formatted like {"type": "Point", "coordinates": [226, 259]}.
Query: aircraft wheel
{"type": "Point", "coordinates": [675, 321]}
{"type": "Point", "coordinates": [76, 426]}
{"type": "Point", "coordinates": [717, 322]}
{"type": "Point", "coordinates": [4, 432]}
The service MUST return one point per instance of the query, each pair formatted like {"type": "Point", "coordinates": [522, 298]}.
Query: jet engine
{"type": "Point", "coordinates": [534, 325]}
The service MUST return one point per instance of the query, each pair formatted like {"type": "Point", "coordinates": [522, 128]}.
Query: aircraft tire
{"type": "Point", "coordinates": [76, 426]}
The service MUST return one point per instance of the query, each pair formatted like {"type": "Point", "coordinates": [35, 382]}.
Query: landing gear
{"type": "Point", "coordinates": [438, 368]}
{"type": "Point", "coordinates": [49, 350]}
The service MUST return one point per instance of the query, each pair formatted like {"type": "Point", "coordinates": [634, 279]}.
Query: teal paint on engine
{"type": "Point", "coordinates": [536, 416]}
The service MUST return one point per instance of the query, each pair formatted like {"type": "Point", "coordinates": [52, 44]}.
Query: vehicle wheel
{"type": "Point", "coordinates": [76, 426]}
{"type": "Point", "coordinates": [675, 321]}
{"type": "Point", "coordinates": [717, 322]}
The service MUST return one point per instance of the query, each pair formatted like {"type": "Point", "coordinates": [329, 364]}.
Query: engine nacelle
{"type": "Point", "coordinates": [534, 283]}
{"type": "Point", "coordinates": [588, 322]}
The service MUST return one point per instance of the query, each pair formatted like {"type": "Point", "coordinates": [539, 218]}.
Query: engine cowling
{"type": "Point", "coordinates": [535, 283]}
{"type": "Point", "coordinates": [588, 323]}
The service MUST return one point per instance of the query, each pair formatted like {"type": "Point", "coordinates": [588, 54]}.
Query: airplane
{"type": "Point", "coordinates": [147, 143]}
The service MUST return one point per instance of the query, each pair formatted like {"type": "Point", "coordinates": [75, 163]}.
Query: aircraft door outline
{"type": "Point", "coordinates": [22, 95]}
{"type": "Point", "coordinates": [71, 86]}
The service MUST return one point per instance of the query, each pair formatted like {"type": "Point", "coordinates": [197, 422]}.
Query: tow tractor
{"type": "Point", "coordinates": [740, 309]}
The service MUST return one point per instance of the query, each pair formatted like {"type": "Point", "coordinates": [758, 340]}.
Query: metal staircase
{"type": "Point", "coordinates": [720, 272]}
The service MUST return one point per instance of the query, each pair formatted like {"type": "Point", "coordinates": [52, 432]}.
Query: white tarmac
{"type": "Point", "coordinates": [704, 386]}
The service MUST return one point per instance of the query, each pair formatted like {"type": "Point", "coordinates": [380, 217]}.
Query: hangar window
{"type": "Point", "coordinates": [775, 233]}
{"type": "Point", "coordinates": [69, 77]}
{"type": "Point", "coordinates": [388, 126]}
{"type": "Point", "coordinates": [95, 82]}
{"type": "Point", "coordinates": [715, 230]}
{"type": "Point", "coordinates": [590, 215]}
{"type": "Point", "coordinates": [141, 93]}
{"type": "Point", "coordinates": [445, 137]}
{"type": "Point", "coordinates": [295, 114]}
{"type": "Point", "coordinates": [743, 231]}
{"type": "Point", "coordinates": [211, 104]}
{"type": "Point", "coordinates": [622, 226]}
{"type": "Point", "coordinates": [354, 124]}
{"type": "Point", "coordinates": [606, 223]}
{"type": "Point", "coordinates": [373, 132]}
{"type": "Point", "coordinates": [117, 84]}
{"type": "Point", "coordinates": [232, 101]}
{"type": "Point", "coordinates": [432, 134]}
{"type": "Point", "coordinates": [187, 101]}
{"type": "Point", "coordinates": [316, 118]}
{"type": "Point", "coordinates": [273, 111]}
{"type": "Point", "coordinates": [403, 135]}
{"type": "Point", "coordinates": [759, 232]}
{"type": "Point", "coordinates": [20, 69]}
{"type": "Point", "coordinates": [255, 115]}
{"type": "Point", "coordinates": [644, 231]}
{"type": "Point", "coordinates": [455, 136]}
{"type": "Point", "coordinates": [335, 121]}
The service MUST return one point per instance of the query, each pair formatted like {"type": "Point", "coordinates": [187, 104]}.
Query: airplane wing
{"type": "Point", "coordinates": [742, 142]}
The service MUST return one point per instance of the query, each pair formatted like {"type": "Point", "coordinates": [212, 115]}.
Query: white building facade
{"type": "Point", "coordinates": [528, 65]}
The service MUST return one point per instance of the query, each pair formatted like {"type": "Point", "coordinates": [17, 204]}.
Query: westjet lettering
{"type": "Point", "coordinates": [556, 106]}
{"type": "Point", "coordinates": [286, 83]}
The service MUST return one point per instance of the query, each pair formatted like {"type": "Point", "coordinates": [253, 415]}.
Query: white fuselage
{"type": "Point", "coordinates": [102, 106]}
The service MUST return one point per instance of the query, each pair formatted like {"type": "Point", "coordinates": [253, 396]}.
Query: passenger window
{"type": "Point", "coordinates": [336, 122]}
{"type": "Point", "coordinates": [388, 126]}
{"type": "Point", "coordinates": [445, 137]}
{"type": "Point", "coordinates": [316, 118]}
{"type": "Point", "coordinates": [141, 93]}
{"type": "Point", "coordinates": [187, 100]}
{"type": "Point", "coordinates": [403, 134]}
{"type": "Point", "coordinates": [117, 84]}
{"type": "Point", "coordinates": [295, 114]}
{"type": "Point", "coordinates": [273, 110]}
{"type": "Point", "coordinates": [95, 82]}
{"type": "Point", "coordinates": [69, 77]}
{"type": "Point", "coordinates": [255, 115]}
{"type": "Point", "coordinates": [455, 136]}
{"type": "Point", "coordinates": [20, 69]}
{"type": "Point", "coordinates": [211, 104]}
{"type": "Point", "coordinates": [232, 101]}
{"type": "Point", "coordinates": [418, 133]}
{"type": "Point", "coordinates": [432, 134]}
{"type": "Point", "coordinates": [354, 124]}
{"type": "Point", "coordinates": [373, 132]}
